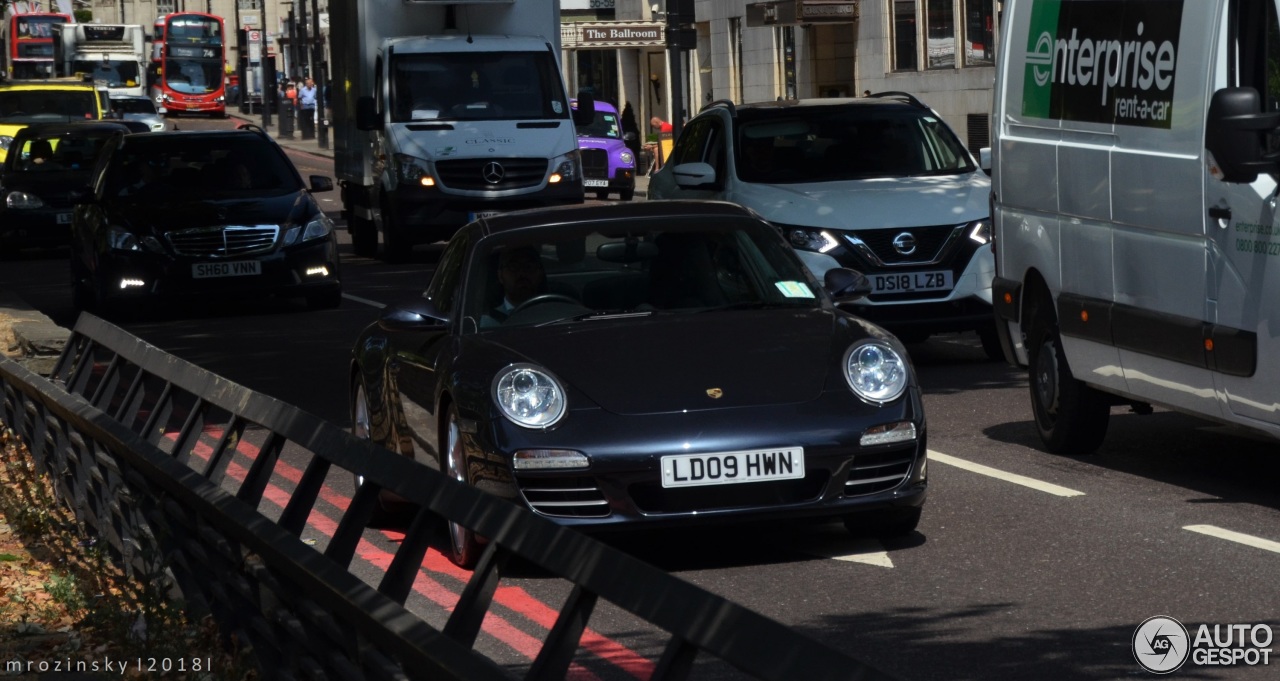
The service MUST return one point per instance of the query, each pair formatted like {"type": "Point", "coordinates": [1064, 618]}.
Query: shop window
{"type": "Point", "coordinates": [940, 48]}
{"type": "Point", "coordinates": [979, 33]}
{"type": "Point", "coordinates": [905, 38]}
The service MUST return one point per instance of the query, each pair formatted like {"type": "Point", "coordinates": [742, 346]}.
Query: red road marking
{"type": "Point", "coordinates": [512, 597]}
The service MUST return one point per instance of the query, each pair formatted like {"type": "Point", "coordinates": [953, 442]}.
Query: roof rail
{"type": "Point", "coordinates": [726, 103]}
{"type": "Point", "coordinates": [904, 96]}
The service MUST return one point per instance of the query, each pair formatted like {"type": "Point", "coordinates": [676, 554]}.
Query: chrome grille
{"type": "Point", "coordinates": [484, 174]}
{"type": "Point", "coordinates": [565, 497]}
{"type": "Point", "coordinates": [223, 241]}
{"type": "Point", "coordinates": [595, 163]}
{"type": "Point", "coordinates": [871, 473]}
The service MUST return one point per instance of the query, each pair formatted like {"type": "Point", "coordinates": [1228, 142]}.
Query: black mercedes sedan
{"type": "Point", "coordinates": [46, 161]}
{"type": "Point", "coordinates": [171, 216]}
{"type": "Point", "coordinates": [641, 365]}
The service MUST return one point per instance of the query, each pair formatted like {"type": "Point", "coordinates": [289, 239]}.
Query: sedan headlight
{"type": "Point", "coordinates": [529, 396]}
{"type": "Point", "coordinates": [319, 227]}
{"type": "Point", "coordinates": [22, 201]}
{"type": "Point", "coordinates": [566, 168]}
{"type": "Point", "coordinates": [5, 141]}
{"type": "Point", "coordinates": [876, 372]}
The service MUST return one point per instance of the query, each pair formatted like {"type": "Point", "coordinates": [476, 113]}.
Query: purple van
{"type": "Point", "coordinates": [607, 164]}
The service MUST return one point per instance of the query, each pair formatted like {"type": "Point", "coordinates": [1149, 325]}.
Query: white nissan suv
{"type": "Point", "coordinates": [878, 184]}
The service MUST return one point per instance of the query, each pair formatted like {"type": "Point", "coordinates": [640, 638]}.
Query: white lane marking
{"type": "Point", "coordinates": [1002, 475]}
{"type": "Point", "coordinates": [867, 551]}
{"type": "Point", "coordinates": [1237, 537]}
{"type": "Point", "coordinates": [365, 301]}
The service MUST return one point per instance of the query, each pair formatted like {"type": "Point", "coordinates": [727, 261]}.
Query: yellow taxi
{"type": "Point", "coordinates": [46, 101]}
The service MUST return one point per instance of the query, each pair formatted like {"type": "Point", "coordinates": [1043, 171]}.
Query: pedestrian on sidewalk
{"type": "Point", "coordinates": [307, 109]}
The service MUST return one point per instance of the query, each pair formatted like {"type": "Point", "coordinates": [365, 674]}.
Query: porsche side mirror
{"type": "Point", "coordinates": [418, 315]}
{"type": "Point", "coordinates": [846, 285]}
{"type": "Point", "coordinates": [81, 195]}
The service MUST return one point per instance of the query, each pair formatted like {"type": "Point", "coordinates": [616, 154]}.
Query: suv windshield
{"type": "Point", "coordinates": [847, 143]}
{"type": "Point", "coordinates": [601, 271]}
{"type": "Point", "coordinates": [476, 86]}
{"type": "Point", "coordinates": [223, 165]}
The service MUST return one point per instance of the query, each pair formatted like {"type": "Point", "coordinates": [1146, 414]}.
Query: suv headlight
{"type": "Point", "coordinates": [875, 371]}
{"type": "Point", "coordinates": [318, 227]}
{"type": "Point", "coordinates": [566, 168]}
{"type": "Point", "coordinates": [980, 231]}
{"type": "Point", "coordinates": [413, 170]}
{"type": "Point", "coordinates": [22, 201]}
{"type": "Point", "coordinates": [529, 396]}
{"type": "Point", "coordinates": [816, 240]}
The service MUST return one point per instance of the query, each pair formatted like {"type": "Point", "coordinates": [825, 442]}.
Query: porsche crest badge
{"type": "Point", "coordinates": [715, 393]}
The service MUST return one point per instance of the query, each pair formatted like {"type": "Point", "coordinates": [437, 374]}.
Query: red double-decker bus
{"type": "Point", "coordinates": [188, 67]}
{"type": "Point", "coordinates": [27, 43]}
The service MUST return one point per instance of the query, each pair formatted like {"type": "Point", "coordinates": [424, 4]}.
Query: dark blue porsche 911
{"type": "Point", "coordinates": [646, 364]}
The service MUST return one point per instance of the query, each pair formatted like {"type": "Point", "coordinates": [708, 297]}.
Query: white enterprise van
{"type": "Point", "coordinates": [1134, 193]}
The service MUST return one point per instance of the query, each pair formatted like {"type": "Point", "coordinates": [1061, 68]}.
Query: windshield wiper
{"type": "Point", "coordinates": [596, 315]}
{"type": "Point", "coordinates": [755, 305]}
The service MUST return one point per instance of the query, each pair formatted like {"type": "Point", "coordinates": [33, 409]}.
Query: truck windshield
{"type": "Point", "coordinates": [113, 73]}
{"type": "Point", "coordinates": [476, 86]}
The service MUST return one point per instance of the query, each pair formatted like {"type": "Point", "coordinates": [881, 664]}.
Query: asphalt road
{"type": "Point", "coordinates": [1026, 565]}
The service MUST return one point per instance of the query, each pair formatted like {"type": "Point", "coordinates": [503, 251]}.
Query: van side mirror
{"type": "Point", "coordinates": [585, 114]}
{"type": "Point", "coordinates": [1235, 134]}
{"type": "Point", "coordinates": [984, 160]}
{"type": "Point", "coordinates": [367, 117]}
{"type": "Point", "coordinates": [846, 285]}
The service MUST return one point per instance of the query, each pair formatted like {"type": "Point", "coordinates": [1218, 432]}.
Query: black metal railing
{"type": "Point", "coordinates": [141, 444]}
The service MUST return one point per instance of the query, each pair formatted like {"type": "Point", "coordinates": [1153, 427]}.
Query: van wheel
{"type": "Point", "coordinates": [364, 237]}
{"type": "Point", "coordinates": [1070, 416]}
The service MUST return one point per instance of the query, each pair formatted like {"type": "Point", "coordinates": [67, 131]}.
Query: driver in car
{"type": "Point", "coordinates": [520, 273]}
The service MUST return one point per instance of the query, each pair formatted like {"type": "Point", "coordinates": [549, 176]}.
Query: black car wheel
{"type": "Point", "coordinates": [325, 301]}
{"type": "Point", "coordinates": [383, 515]}
{"type": "Point", "coordinates": [464, 548]}
{"type": "Point", "coordinates": [627, 194]}
{"type": "Point", "coordinates": [1070, 416]}
{"type": "Point", "coordinates": [602, 195]}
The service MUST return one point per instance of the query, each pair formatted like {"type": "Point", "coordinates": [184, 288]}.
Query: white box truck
{"type": "Point", "coordinates": [113, 54]}
{"type": "Point", "coordinates": [1134, 189]}
{"type": "Point", "coordinates": [443, 112]}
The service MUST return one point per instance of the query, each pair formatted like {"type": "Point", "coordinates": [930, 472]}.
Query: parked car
{"type": "Point", "coordinates": [878, 184]}
{"type": "Point", "coordinates": [607, 164]}
{"type": "Point", "coordinates": [45, 163]}
{"type": "Point", "coordinates": [140, 108]}
{"type": "Point", "coordinates": [645, 364]}
{"type": "Point", "coordinates": [172, 215]}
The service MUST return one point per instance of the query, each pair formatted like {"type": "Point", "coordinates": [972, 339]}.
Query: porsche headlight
{"type": "Point", "coordinates": [22, 201]}
{"type": "Point", "coordinates": [529, 396]}
{"type": "Point", "coordinates": [876, 372]}
{"type": "Point", "coordinates": [319, 227]}
{"type": "Point", "coordinates": [566, 168]}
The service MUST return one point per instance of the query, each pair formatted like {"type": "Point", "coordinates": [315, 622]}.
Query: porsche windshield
{"type": "Point", "coordinates": [632, 268]}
